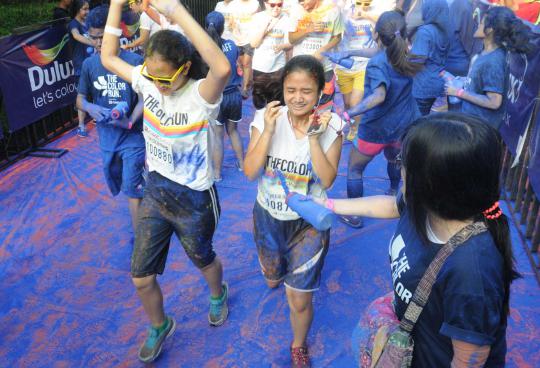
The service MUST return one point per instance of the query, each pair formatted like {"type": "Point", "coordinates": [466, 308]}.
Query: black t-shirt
{"type": "Point", "coordinates": [466, 301]}
{"type": "Point", "coordinates": [59, 13]}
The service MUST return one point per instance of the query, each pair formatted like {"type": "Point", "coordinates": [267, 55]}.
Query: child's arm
{"type": "Point", "coordinates": [259, 143]}
{"type": "Point", "coordinates": [490, 100]}
{"type": "Point", "coordinates": [374, 206]}
{"type": "Point", "coordinates": [212, 86]}
{"type": "Point", "coordinates": [109, 48]}
{"type": "Point", "coordinates": [376, 98]}
{"type": "Point", "coordinates": [80, 38]}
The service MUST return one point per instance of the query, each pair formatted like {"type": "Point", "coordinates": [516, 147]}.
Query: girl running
{"type": "Point", "coordinates": [451, 173]}
{"type": "Point", "coordinates": [80, 43]}
{"type": "Point", "coordinates": [179, 196]}
{"type": "Point", "coordinates": [388, 106]}
{"type": "Point", "coordinates": [485, 94]}
{"type": "Point", "coordinates": [283, 143]}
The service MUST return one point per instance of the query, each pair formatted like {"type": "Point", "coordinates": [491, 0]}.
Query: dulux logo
{"type": "Point", "coordinates": [37, 75]}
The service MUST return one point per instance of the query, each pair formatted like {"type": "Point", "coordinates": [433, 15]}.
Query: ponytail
{"type": "Point", "coordinates": [213, 33]}
{"type": "Point", "coordinates": [392, 30]}
{"type": "Point", "coordinates": [500, 233]}
{"type": "Point", "coordinates": [508, 30]}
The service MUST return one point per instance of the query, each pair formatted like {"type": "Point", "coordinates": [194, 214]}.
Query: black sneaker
{"type": "Point", "coordinates": [353, 221]}
{"type": "Point", "coordinates": [151, 348]}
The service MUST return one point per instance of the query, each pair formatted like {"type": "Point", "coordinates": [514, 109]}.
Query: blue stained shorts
{"type": "Point", "coordinates": [167, 208]}
{"type": "Point", "coordinates": [124, 171]}
{"type": "Point", "coordinates": [292, 251]}
{"type": "Point", "coordinates": [231, 107]}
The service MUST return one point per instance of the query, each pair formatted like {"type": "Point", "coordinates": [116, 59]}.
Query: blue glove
{"type": "Point", "coordinates": [98, 113]}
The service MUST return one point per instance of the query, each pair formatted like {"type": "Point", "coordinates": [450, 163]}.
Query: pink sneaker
{"type": "Point", "coordinates": [300, 357]}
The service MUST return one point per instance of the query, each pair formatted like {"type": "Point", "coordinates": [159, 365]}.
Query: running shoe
{"type": "Point", "coordinates": [151, 348]}
{"type": "Point", "coordinates": [353, 221]}
{"type": "Point", "coordinates": [218, 307]}
{"type": "Point", "coordinates": [300, 357]}
{"type": "Point", "coordinates": [82, 133]}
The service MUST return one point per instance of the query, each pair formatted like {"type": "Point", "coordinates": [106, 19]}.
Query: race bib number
{"type": "Point", "coordinates": [159, 152]}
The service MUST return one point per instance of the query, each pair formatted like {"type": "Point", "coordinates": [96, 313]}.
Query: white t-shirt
{"type": "Point", "coordinates": [177, 132]}
{"type": "Point", "coordinates": [292, 157]}
{"type": "Point", "coordinates": [328, 13]}
{"type": "Point", "coordinates": [148, 24]}
{"type": "Point", "coordinates": [265, 59]}
{"type": "Point", "coordinates": [358, 34]}
{"type": "Point", "coordinates": [165, 24]}
{"type": "Point", "coordinates": [242, 13]}
{"type": "Point", "coordinates": [223, 8]}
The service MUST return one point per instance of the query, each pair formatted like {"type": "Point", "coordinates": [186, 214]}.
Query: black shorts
{"type": "Point", "coordinates": [231, 107]}
{"type": "Point", "coordinates": [292, 251]}
{"type": "Point", "coordinates": [169, 207]}
{"type": "Point", "coordinates": [246, 49]}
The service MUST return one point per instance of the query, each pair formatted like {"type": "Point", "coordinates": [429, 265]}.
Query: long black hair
{"type": "Point", "coordinates": [76, 6]}
{"type": "Point", "coordinates": [509, 31]}
{"type": "Point", "coordinates": [175, 49]}
{"type": "Point", "coordinates": [214, 24]}
{"type": "Point", "coordinates": [452, 167]}
{"type": "Point", "coordinates": [392, 31]}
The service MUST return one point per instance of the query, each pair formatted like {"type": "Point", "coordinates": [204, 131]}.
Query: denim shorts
{"type": "Point", "coordinates": [169, 207]}
{"type": "Point", "coordinates": [124, 171]}
{"type": "Point", "coordinates": [231, 107]}
{"type": "Point", "coordinates": [292, 251]}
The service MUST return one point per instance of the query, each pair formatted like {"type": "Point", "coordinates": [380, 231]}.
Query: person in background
{"type": "Point", "coordinates": [270, 40]}
{"type": "Point", "coordinates": [289, 248]}
{"type": "Point", "coordinates": [430, 48]}
{"type": "Point", "coordinates": [180, 96]}
{"type": "Point", "coordinates": [230, 110]}
{"type": "Point", "coordinates": [147, 26]}
{"type": "Point", "coordinates": [62, 10]}
{"type": "Point", "coordinates": [485, 94]}
{"type": "Point", "coordinates": [242, 12]}
{"type": "Point", "coordinates": [316, 27]}
{"type": "Point", "coordinates": [80, 43]}
{"type": "Point", "coordinates": [121, 142]}
{"type": "Point", "coordinates": [387, 108]}
{"type": "Point", "coordinates": [223, 8]}
{"type": "Point", "coordinates": [451, 165]}
{"type": "Point", "coordinates": [358, 36]}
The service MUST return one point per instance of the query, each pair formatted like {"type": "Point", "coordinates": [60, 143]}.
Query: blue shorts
{"type": "Point", "coordinates": [292, 251]}
{"type": "Point", "coordinates": [231, 107]}
{"type": "Point", "coordinates": [124, 171]}
{"type": "Point", "coordinates": [169, 207]}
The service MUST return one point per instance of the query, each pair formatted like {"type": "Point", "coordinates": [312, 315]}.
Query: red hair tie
{"type": "Point", "coordinates": [493, 212]}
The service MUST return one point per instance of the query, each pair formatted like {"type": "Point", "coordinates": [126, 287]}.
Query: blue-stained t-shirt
{"type": "Point", "coordinates": [466, 302]}
{"type": "Point", "coordinates": [488, 73]}
{"type": "Point", "coordinates": [430, 42]}
{"type": "Point", "coordinates": [386, 122]}
{"type": "Point", "coordinates": [231, 52]}
{"type": "Point", "coordinates": [462, 43]}
{"type": "Point", "coordinates": [78, 49]}
{"type": "Point", "coordinates": [106, 89]}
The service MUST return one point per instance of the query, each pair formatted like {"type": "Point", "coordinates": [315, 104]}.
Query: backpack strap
{"type": "Point", "coordinates": [421, 294]}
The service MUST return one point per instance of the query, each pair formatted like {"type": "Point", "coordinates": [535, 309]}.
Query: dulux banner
{"type": "Point", "coordinates": [37, 73]}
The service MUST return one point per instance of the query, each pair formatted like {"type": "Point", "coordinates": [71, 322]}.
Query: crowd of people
{"type": "Point", "coordinates": [164, 149]}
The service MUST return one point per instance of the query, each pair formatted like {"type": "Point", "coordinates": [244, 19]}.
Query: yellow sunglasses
{"type": "Point", "coordinates": [163, 81]}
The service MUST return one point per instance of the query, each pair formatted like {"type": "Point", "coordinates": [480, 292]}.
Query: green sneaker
{"type": "Point", "coordinates": [151, 348]}
{"type": "Point", "coordinates": [218, 307]}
